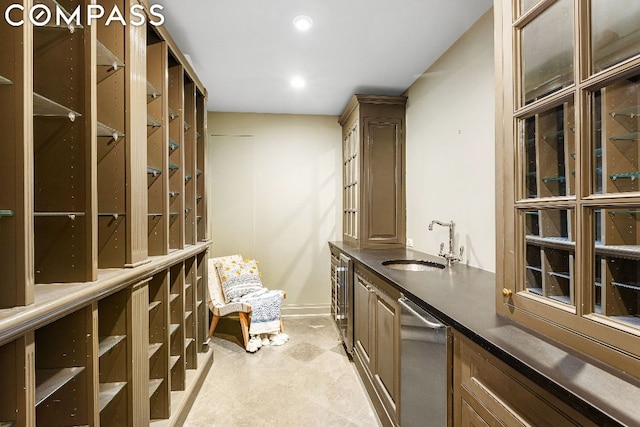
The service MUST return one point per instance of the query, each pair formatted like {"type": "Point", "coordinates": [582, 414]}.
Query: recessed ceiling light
{"type": "Point", "coordinates": [302, 22]}
{"type": "Point", "coordinates": [298, 82]}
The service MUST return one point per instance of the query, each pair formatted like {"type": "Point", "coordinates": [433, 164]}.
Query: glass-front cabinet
{"type": "Point", "coordinates": [569, 243]}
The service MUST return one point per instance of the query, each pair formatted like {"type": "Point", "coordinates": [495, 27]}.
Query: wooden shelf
{"type": "Point", "coordinates": [85, 298]}
{"type": "Point", "coordinates": [154, 385]}
{"type": "Point", "coordinates": [49, 381]}
{"type": "Point", "coordinates": [108, 392]}
{"type": "Point", "coordinates": [109, 343]}
{"type": "Point", "coordinates": [153, 349]}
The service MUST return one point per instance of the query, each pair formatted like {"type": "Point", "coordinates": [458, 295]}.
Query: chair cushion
{"type": "Point", "coordinates": [238, 278]}
{"type": "Point", "coordinates": [216, 297]}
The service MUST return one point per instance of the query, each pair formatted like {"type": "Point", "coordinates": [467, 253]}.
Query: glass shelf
{"type": "Point", "coordinates": [114, 215]}
{"type": "Point", "coordinates": [174, 214]}
{"type": "Point", "coordinates": [153, 123]}
{"type": "Point", "coordinates": [152, 305]}
{"type": "Point", "coordinates": [198, 172]}
{"type": "Point", "coordinates": [53, 6]}
{"type": "Point", "coordinates": [173, 166]}
{"type": "Point", "coordinates": [199, 218]}
{"type": "Point", "coordinates": [633, 111]}
{"type": "Point", "coordinates": [173, 194]}
{"type": "Point", "coordinates": [5, 81]}
{"type": "Point", "coordinates": [198, 198]}
{"type": "Point", "coordinates": [71, 215]}
{"type": "Point", "coordinates": [631, 285]}
{"type": "Point", "coordinates": [152, 92]}
{"type": "Point", "coordinates": [533, 268]}
{"type": "Point", "coordinates": [187, 177]}
{"type": "Point", "coordinates": [154, 215]}
{"type": "Point", "coordinates": [198, 135]}
{"type": "Point", "coordinates": [153, 171]}
{"type": "Point", "coordinates": [631, 136]}
{"type": "Point", "coordinates": [625, 212]}
{"type": "Point", "coordinates": [628, 175]}
{"type": "Point", "coordinates": [558, 135]}
{"type": "Point", "coordinates": [172, 114]}
{"type": "Point", "coordinates": [554, 179]}
{"type": "Point", "coordinates": [561, 275]}
{"type": "Point", "coordinates": [6, 213]}
{"type": "Point", "coordinates": [109, 132]}
{"type": "Point", "coordinates": [187, 126]}
{"type": "Point", "coordinates": [597, 152]}
{"type": "Point", "coordinates": [44, 107]}
{"type": "Point", "coordinates": [187, 210]}
{"type": "Point", "coordinates": [106, 58]}
{"type": "Point", "coordinates": [173, 146]}
{"type": "Point", "coordinates": [49, 381]}
{"type": "Point", "coordinates": [108, 392]}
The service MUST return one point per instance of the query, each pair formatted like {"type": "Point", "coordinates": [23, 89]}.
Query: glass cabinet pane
{"type": "Point", "coordinates": [617, 264]}
{"type": "Point", "coordinates": [549, 253]}
{"type": "Point", "coordinates": [525, 5]}
{"type": "Point", "coordinates": [547, 52]}
{"type": "Point", "coordinates": [615, 31]}
{"type": "Point", "coordinates": [615, 112]}
{"type": "Point", "coordinates": [548, 152]}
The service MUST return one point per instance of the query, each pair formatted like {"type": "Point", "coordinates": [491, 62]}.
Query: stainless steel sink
{"type": "Point", "coordinates": [413, 265]}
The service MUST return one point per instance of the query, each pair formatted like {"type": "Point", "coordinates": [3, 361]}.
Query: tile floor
{"type": "Point", "coordinates": [309, 381]}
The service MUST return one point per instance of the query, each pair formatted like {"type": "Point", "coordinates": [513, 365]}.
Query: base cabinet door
{"type": "Point", "coordinates": [363, 319]}
{"type": "Point", "coordinates": [387, 372]}
{"type": "Point", "coordinates": [377, 343]}
{"type": "Point", "coordinates": [489, 392]}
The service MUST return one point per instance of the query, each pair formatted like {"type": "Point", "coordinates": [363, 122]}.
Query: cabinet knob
{"type": "Point", "coordinates": [507, 292]}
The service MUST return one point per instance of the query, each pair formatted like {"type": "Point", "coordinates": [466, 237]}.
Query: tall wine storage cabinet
{"type": "Point", "coordinates": [103, 314]}
{"type": "Point", "coordinates": [373, 198]}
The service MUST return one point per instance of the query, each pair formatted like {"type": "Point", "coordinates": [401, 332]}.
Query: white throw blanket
{"type": "Point", "coordinates": [265, 311]}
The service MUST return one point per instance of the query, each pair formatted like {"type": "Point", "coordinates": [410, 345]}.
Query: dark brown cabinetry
{"type": "Point", "coordinates": [568, 207]}
{"type": "Point", "coordinates": [103, 319]}
{"type": "Point", "coordinates": [373, 171]}
{"type": "Point", "coordinates": [377, 342]}
{"type": "Point", "coordinates": [488, 392]}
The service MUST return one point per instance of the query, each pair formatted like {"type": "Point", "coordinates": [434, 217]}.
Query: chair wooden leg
{"type": "Point", "coordinates": [214, 323]}
{"type": "Point", "coordinates": [244, 325]}
{"type": "Point", "coordinates": [281, 326]}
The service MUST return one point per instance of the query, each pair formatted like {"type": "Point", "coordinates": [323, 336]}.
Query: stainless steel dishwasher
{"type": "Point", "coordinates": [425, 366]}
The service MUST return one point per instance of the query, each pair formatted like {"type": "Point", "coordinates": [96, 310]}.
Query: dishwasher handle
{"type": "Point", "coordinates": [431, 324]}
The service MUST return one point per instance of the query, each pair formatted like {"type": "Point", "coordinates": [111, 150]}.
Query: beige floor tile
{"type": "Point", "coordinates": [308, 381]}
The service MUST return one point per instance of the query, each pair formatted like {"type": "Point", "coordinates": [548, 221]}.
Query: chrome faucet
{"type": "Point", "coordinates": [450, 256]}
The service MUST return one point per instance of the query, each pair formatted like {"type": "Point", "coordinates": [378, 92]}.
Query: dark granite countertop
{"type": "Point", "coordinates": [464, 298]}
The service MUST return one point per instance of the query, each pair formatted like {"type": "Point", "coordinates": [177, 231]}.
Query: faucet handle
{"type": "Point", "coordinates": [461, 252]}
{"type": "Point", "coordinates": [441, 249]}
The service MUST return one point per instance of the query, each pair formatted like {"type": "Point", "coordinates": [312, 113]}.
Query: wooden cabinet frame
{"type": "Point", "coordinates": [373, 202]}
{"type": "Point", "coordinates": [576, 324]}
{"type": "Point", "coordinates": [87, 278]}
{"type": "Point", "coordinates": [376, 332]}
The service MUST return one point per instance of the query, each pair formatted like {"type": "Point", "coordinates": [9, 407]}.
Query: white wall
{"type": "Point", "coordinates": [450, 148]}
{"type": "Point", "coordinates": [275, 196]}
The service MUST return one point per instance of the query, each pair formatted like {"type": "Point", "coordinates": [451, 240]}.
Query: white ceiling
{"type": "Point", "coordinates": [246, 51]}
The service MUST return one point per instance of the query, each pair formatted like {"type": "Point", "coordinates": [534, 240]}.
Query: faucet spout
{"type": "Point", "coordinates": [450, 256]}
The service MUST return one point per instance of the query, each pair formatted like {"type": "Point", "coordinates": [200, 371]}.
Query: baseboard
{"type": "Point", "coordinates": [289, 310]}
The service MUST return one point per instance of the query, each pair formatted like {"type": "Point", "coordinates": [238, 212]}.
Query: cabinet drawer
{"type": "Point", "coordinates": [492, 388]}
